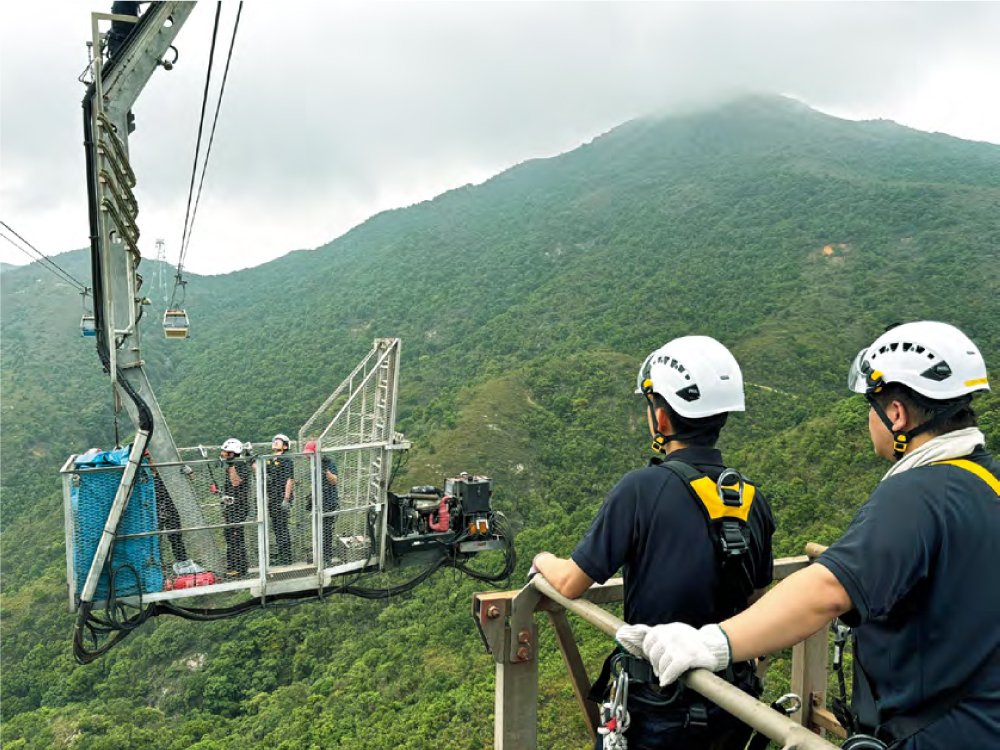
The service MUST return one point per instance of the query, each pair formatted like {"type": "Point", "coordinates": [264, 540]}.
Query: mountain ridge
{"type": "Point", "coordinates": [525, 305]}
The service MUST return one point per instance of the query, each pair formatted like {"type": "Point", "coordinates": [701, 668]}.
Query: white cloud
{"type": "Point", "coordinates": [334, 111]}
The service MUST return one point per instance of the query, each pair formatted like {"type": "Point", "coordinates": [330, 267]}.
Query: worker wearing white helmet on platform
{"type": "Point", "coordinates": [692, 538]}
{"type": "Point", "coordinates": [927, 644]}
{"type": "Point", "coordinates": [279, 471]}
{"type": "Point", "coordinates": [235, 506]}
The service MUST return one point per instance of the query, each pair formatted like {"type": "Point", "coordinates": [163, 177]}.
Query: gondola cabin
{"type": "Point", "coordinates": [176, 324]}
{"type": "Point", "coordinates": [88, 326]}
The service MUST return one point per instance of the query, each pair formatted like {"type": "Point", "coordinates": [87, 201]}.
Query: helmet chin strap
{"type": "Point", "coordinates": [659, 439]}
{"type": "Point", "coordinates": [902, 439]}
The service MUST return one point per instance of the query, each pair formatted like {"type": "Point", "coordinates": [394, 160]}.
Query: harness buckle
{"type": "Point", "coordinates": [697, 716]}
{"type": "Point", "coordinates": [731, 539]}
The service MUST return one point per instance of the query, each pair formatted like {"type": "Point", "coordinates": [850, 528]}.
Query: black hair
{"type": "Point", "coordinates": [703, 431]}
{"type": "Point", "coordinates": [923, 409]}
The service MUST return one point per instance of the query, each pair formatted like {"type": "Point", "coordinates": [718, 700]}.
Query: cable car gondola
{"type": "Point", "coordinates": [88, 322]}
{"type": "Point", "coordinates": [88, 326]}
{"type": "Point", "coordinates": [176, 324]}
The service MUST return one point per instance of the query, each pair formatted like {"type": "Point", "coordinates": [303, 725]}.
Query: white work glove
{"type": "Point", "coordinates": [286, 505]}
{"type": "Point", "coordinates": [675, 648]}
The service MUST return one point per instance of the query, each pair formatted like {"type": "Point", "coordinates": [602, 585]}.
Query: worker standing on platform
{"type": "Point", "coordinates": [692, 537]}
{"type": "Point", "coordinates": [330, 498]}
{"type": "Point", "coordinates": [903, 576]}
{"type": "Point", "coordinates": [235, 506]}
{"type": "Point", "coordinates": [280, 480]}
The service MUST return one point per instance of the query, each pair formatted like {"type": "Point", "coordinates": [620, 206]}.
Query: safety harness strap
{"type": "Point", "coordinates": [726, 513]}
{"type": "Point", "coordinates": [973, 467]}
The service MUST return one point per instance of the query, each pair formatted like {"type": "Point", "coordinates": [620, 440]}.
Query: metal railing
{"type": "Point", "coordinates": [506, 622]}
{"type": "Point", "coordinates": [262, 545]}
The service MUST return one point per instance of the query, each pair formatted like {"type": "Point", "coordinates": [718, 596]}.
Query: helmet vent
{"type": "Point", "coordinates": [691, 393]}
{"type": "Point", "coordinates": [940, 371]}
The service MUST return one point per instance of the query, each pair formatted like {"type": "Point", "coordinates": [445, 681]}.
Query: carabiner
{"type": "Point", "coordinates": [788, 704]}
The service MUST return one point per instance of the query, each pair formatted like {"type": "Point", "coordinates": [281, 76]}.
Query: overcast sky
{"type": "Point", "coordinates": [335, 111]}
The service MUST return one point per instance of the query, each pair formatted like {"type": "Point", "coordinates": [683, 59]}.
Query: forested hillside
{"type": "Point", "coordinates": [525, 305]}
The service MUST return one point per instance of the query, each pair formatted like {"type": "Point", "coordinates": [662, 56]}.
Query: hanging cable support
{"type": "Point", "coordinates": [201, 127]}
{"type": "Point", "coordinates": [211, 137]}
{"type": "Point", "coordinates": [197, 151]}
{"type": "Point", "coordinates": [40, 257]}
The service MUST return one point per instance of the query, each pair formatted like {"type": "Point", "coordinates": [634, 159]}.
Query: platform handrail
{"type": "Point", "coordinates": [506, 623]}
{"type": "Point", "coordinates": [743, 706]}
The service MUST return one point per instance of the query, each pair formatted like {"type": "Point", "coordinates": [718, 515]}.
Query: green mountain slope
{"type": "Point", "coordinates": [525, 305]}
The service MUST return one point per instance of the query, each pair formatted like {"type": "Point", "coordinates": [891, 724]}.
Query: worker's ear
{"type": "Point", "coordinates": [900, 416]}
{"type": "Point", "coordinates": [663, 424]}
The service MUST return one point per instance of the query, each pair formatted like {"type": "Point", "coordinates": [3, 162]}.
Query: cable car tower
{"type": "Point", "coordinates": [114, 251]}
{"type": "Point", "coordinates": [231, 523]}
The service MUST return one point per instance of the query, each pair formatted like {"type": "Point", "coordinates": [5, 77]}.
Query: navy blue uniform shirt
{"type": "Point", "coordinates": [241, 492]}
{"type": "Point", "coordinates": [919, 562]}
{"type": "Point", "coordinates": [653, 528]}
{"type": "Point", "coordinates": [279, 470]}
{"type": "Point", "coordinates": [331, 495]}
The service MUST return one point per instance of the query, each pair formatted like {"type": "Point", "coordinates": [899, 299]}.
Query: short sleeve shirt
{"type": "Point", "coordinates": [240, 492]}
{"type": "Point", "coordinates": [652, 528]}
{"type": "Point", "coordinates": [331, 496]}
{"type": "Point", "coordinates": [279, 469]}
{"type": "Point", "coordinates": [918, 562]}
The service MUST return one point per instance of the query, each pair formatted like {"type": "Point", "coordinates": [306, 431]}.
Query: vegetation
{"type": "Point", "coordinates": [525, 306]}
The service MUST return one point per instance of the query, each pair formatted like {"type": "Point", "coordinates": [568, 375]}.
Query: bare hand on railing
{"type": "Point", "coordinates": [533, 570]}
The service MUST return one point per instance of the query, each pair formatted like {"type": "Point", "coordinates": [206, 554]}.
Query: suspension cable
{"type": "Point", "coordinates": [46, 261]}
{"type": "Point", "coordinates": [197, 148]}
{"type": "Point", "coordinates": [211, 137]}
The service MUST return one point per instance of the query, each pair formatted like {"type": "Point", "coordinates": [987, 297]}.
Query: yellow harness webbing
{"type": "Point", "coordinates": [976, 469]}
{"type": "Point", "coordinates": [708, 493]}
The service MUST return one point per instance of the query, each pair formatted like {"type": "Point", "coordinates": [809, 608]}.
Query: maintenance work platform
{"type": "Point", "coordinates": [291, 520]}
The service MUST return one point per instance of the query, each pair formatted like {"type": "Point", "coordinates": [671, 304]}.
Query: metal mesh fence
{"type": "Point", "coordinates": [245, 534]}
{"type": "Point", "coordinates": [353, 430]}
{"type": "Point", "coordinates": [289, 520]}
{"type": "Point", "coordinates": [165, 544]}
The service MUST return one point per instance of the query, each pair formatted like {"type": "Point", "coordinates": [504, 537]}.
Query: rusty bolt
{"type": "Point", "coordinates": [524, 653]}
{"type": "Point", "coordinates": [524, 636]}
{"type": "Point", "coordinates": [493, 612]}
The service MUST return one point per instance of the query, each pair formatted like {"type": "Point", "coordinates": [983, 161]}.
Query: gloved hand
{"type": "Point", "coordinates": [286, 505]}
{"type": "Point", "coordinates": [630, 637]}
{"type": "Point", "coordinates": [213, 488]}
{"type": "Point", "coordinates": [675, 648]}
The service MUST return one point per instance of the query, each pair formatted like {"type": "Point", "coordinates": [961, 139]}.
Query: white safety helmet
{"type": "Point", "coordinates": [936, 360]}
{"type": "Point", "coordinates": [233, 446]}
{"type": "Point", "coordinates": [281, 438]}
{"type": "Point", "coordinates": [696, 375]}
